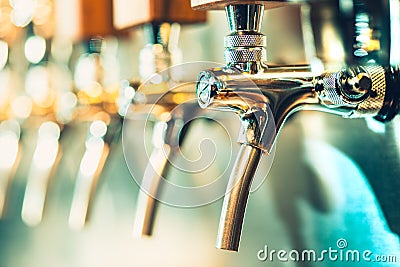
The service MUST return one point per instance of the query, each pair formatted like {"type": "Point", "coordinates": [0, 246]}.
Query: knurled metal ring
{"type": "Point", "coordinates": [245, 40]}
{"type": "Point", "coordinates": [374, 102]}
{"type": "Point", "coordinates": [330, 95]}
{"type": "Point", "coordinates": [245, 55]}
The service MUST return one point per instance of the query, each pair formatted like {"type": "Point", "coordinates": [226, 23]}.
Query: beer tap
{"type": "Point", "coordinates": [264, 96]}
{"type": "Point", "coordinates": [165, 129]}
{"type": "Point", "coordinates": [9, 138]}
{"type": "Point", "coordinates": [10, 130]}
{"type": "Point", "coordinates": [98, 111]}
{"type": "Point", "coordinates": [11, 113]}
{"type": "Point", "coordinates": [42, 89]}
{"type": "Point", "coordinates": [48, 87]}
{"type": "Point", "coordinates": [169, 125]}
{"type": "Point", "coordinates": [27, 106]}
{"type": "Point", "coordinates": [153, 96]}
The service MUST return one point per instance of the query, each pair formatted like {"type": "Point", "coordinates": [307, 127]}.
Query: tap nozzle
{"type": "Point", "coordinates": [157, 168]}
{"type": "Point", "coordinates": [44, 162]}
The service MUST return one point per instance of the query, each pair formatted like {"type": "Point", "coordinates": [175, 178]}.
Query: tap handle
{"type": "Point", "coordinates": [369, 90]}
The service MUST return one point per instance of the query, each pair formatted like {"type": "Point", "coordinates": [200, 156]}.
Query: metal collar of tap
{"type": "Point", "coordinates": [244, 46]}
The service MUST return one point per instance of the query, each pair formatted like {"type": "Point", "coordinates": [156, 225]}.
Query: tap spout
{"type": "Point", "coordinates": [156, 169]}
{"type": "Point", "coordinates": [164, 151]}
{"type": "Point", "coordinates": [280, 91]}
{"type": "Point", "coordinates": [235, 201]}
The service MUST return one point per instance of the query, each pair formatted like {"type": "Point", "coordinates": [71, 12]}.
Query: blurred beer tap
{"type": "Point", "coordinates": [154, 97]}
{"type": "Point", "coordinates": [9, 157]}
{"type": "Point", "coordinates": [90, 168]}
{"type": "Point", "coordinates": [97, 109]}
{"type": "Point", "coordinates": [10, 115]}
{"type": "Point", "coordinates": [166, 125]}
{"type": "Point", "coordinates": [88, 24]}
{"type": "Point", "coordinates": [264, 96]}
{"type": "Point", "coordinates": [10, 130]}
{"type": "Point", "coordinates": [41, 88]}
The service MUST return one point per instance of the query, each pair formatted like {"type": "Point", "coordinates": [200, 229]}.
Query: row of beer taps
{"type": "Point", "coordinates": [47, 104]}
{"type": "Point", "coordinates": [53, 100]}
{"type": "Point", "coordinates": [58, 97]}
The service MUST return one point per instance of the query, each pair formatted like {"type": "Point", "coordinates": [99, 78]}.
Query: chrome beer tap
{"type": "Point", "coordinates": [11, 153]}
{"type": "Point", "coordinates": [167, 134]}
{"type": "Point", "coordinates": [264, 96]}
{"type": "Point", "coordinates": [98, 112]}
